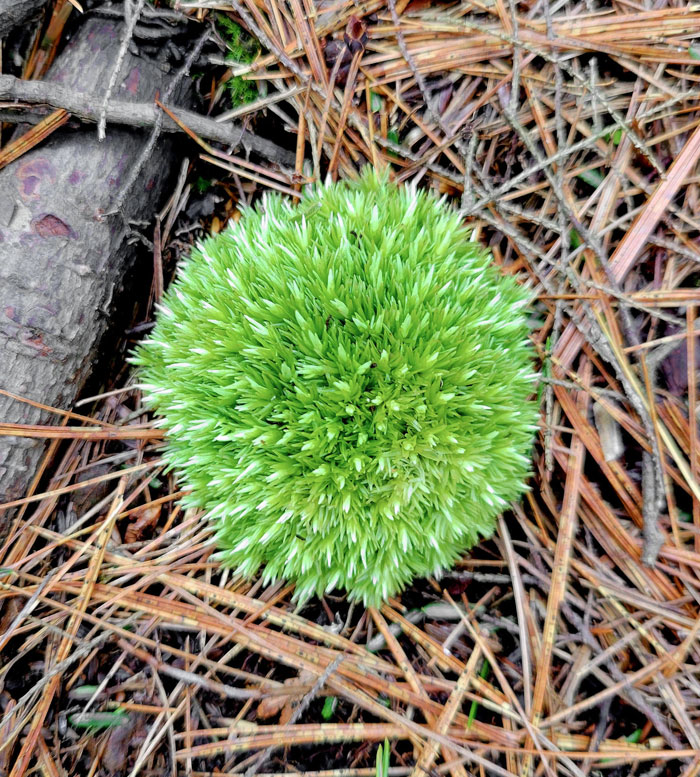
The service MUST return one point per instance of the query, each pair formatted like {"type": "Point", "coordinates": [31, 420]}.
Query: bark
{"type": "Point", "coordinates": [15, 12]}
{"type": "Point", "coordinates": [61, 262]}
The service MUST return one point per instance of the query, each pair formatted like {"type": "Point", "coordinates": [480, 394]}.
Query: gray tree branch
{"type": "Point", "coordinates": [87, 106]}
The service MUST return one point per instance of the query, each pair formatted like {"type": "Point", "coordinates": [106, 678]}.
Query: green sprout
{"type": "Point", "coordinates": [96, 721]}
{"type": "Point", "coordinates": [383, 756]}
{"type": "Point", "coordinates": [329, 705]}
{"type": "Point", "coordinates": [483, 673]}
{"type": "Point", "coordinates": [344, 385]}
{"type": "Point", "coordinates": [202, 185]}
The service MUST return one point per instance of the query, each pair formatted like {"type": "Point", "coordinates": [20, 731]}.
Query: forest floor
{"type": "Point", "coordinates": [569, 135]}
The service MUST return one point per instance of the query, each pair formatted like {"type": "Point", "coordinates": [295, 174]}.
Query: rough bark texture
{"type": "Point", "coordinates": [60, 263]}
{"type": "Point", "coordinates": [14, 12]}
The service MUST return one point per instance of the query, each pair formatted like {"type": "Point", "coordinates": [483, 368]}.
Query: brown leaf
{"type": "Point", "coordinates": [355, 36]}
{"type": "Point", "coordinates": [117, 749]}
{"type": "Point", "coordinates": [285, 705]}
{"type": "Point", "coordinates": [146, 519]}
{"type": "Point", "coordinates": [271, 706]}
{"type": "Point", "coordinates": [10, 610]}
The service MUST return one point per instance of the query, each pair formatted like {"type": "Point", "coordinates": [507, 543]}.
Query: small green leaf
{"type": "Point", "coordinates": [393, 136]}
{"type": "Point", "coordinates": [83, 692]}
{"type": "Point", "coordinates": [383, 755]}
{"type": "Point", "coordinates": [593, 178]}
{"type": "Point", "coordinates": [483, 673]}
{"type": "Point", "coordinates": [99, 720]}
{"type": "Point", "coordinates": [375, 102]}
{"type": "Point", "coordinates": [574, 239]}
{"type": "Point", "coordinates": [635, 736]}
{"type": "Point", "coordinates": [694, 52]}
{"type": "Point", "coordinates": [329, 705]}
{"type": "Point", "coordinates": [615, 137]}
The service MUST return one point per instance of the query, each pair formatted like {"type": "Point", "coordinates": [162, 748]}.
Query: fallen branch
{"type": "Point", "coordinates": [88, 108]}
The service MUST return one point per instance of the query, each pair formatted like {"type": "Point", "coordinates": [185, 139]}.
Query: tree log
{"type": "Point", "coordinates": [15, 12]}
{"type": "Point", "coordinates": [61, 261]}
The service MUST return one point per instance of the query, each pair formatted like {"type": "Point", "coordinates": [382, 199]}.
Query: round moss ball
{"type": "Point", "coordinates": [344, 385]}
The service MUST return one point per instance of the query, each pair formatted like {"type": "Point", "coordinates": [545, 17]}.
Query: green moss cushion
{"type": "Point", "coordinates": [344, 383]}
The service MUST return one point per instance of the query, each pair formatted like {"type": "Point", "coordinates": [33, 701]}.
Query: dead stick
{"type": "Point", "coordinates": [87, 107]}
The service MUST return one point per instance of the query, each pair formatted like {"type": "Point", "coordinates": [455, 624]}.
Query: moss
{"type": "Point", "coordinates": [242, 50]}
{"type": "Point", "coordinates": [344, 384]}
